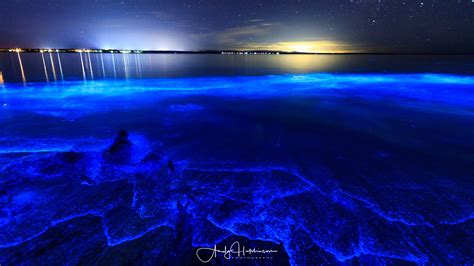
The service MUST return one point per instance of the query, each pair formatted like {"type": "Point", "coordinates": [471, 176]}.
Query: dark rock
{"type": "Point", "coordinates": [120, 151]}
{"type": "Point", "coordinates": [171, 166]}
{"type": "Point", "coordinates": [121, 142]}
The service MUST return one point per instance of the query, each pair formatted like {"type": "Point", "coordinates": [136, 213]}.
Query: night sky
{"type": "Point", "coordinates": [303, 25]}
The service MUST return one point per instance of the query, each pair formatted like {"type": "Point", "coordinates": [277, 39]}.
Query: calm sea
{"type": "Point", "coordinates": [62, 66]}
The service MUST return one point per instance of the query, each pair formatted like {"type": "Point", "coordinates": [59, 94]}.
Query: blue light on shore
{"type": "Point", "coordinates": [346, 168]}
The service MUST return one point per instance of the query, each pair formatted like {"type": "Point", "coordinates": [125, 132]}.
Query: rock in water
{"type": "Point", "coordinates": [120, 152]}
{"type": "Point", "coordinates": [171, 166]}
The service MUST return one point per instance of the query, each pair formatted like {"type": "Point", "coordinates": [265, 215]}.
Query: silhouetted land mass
{"type": "Point", "coordinates": [226, 52]}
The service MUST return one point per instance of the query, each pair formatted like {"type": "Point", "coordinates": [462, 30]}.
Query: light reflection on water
{"type": "Point", "coordinates": [23, 77]}
{"type": "Point", "coordinates": [40, 67]}
{"type": "Point", "coordinates": [45, 68]}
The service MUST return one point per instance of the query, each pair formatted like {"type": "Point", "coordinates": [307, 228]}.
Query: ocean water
{"type": "Point", "coordinates": [332, 161]}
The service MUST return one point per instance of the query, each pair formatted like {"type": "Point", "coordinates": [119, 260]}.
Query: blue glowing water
{"type": "Point", "coordinates": [329, 169]}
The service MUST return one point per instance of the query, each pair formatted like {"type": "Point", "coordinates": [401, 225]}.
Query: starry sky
{"type": "Point", "coordinates": [291, 25]}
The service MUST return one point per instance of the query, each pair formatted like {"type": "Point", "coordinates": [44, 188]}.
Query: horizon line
{"type": "Point", "coordinates": [215, 51]}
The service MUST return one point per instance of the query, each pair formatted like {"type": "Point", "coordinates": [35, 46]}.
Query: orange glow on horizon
{"type": "Point", "coordinates": [306, 47]}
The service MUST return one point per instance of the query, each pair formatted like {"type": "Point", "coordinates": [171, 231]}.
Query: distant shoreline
{"type": "Point", "coordinates": [221, 52]}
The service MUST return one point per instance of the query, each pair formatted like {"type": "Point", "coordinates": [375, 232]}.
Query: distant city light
{"type": "Point", "coordinates": [281, 48]}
